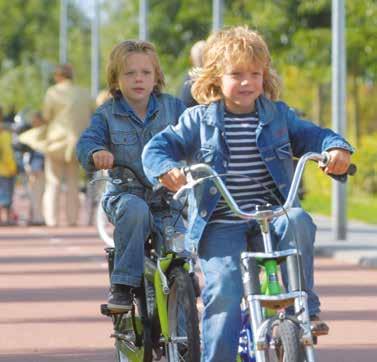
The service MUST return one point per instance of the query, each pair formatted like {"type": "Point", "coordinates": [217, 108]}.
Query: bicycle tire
{"type": "Point", "coordinates": [143, 350]}
{"type": "Point", "coordinates": [141, 309]}
{"type": "Point", "coordinates": [183, 318]}
{"type": "Point", "coordinates": [288, 347]}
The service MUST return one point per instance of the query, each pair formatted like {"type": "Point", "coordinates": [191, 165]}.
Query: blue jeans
{"type": "Point", "coordinates": [219, 253]}
{"type": "Point", "coordinates": [134, 222]}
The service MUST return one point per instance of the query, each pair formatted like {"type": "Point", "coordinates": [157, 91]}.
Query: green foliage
{"type": "Point", "coordinates": [365, 158]}
{"type": "Point", "coordinates": [365, 180]}
{"type": "Point", "coordinates": [362, 188]}
{"type": "Point", "coordinates": [32, 90]}
{"type": "Point", "coordinates": [298, 33]}
{"type": "Point", "coordinates": [174, 26]}
{"type": "Point", "coordinates": [28, 30]}
{"type": "Point", "coordinates": [359, 207]}
{"type": "Point", "coordinates": [29, 44]}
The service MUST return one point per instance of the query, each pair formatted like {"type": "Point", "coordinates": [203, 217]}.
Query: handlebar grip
{"type": "Point", "coordinates": [343, 178]}
{"type": "Point", "coordinates": [352, 169]}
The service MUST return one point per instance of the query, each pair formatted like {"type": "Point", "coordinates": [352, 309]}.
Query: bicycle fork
{"type": "Point", "coordinates": [276, 299]}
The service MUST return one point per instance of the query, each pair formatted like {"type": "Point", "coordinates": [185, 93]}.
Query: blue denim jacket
{"type": "Point", "coordinates": [199, 137]}
{"type": "Point", "coordinates": [116, 128]}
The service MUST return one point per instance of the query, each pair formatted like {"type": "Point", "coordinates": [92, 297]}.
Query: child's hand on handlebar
{"type": "Point", "coordinates": [103, 160]}
{"type": "Point", "coordinates": [339, 162]}
{"type": "Point", "coordinates": [173, 179]}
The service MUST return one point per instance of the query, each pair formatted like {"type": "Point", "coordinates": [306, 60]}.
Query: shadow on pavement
{"type": "Point", "coordinates": [100, 318]}
{"type": "Point", "coordinates": [100, 355]}
{"type": "Point", "coordinates": [349, 315]}
{"type": "Point", "coordinates": [47, 235]}
{"type": "Point", "coordinates": [347, 290]}
{"type": "Point", "coordinates": [70, 294]}
{"type": "Point", "coordinates": [337, 268]}
{"type": "Point", "coordinates": [90, 271]}
{"type": "Point", "coordinates": [367, 354]}
{"type": "Point", "coordinates": [50, 259]}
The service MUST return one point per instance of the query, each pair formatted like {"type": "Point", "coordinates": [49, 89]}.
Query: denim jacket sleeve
{"type": "Point", "coordinates": [305, 136]}
{"type": "Point", "coordinates": [94, 138]}
{"type": "Point", "coordinates": [169, 148]}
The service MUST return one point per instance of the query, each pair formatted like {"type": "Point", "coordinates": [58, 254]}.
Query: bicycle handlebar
{"type": "Point", "coordinates": [258, 214]}
{"type": "Point", "coordinates": [118, 179]}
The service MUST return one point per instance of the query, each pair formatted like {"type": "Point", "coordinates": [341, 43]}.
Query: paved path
{"type": "Point", "coordinates": [52, 281]}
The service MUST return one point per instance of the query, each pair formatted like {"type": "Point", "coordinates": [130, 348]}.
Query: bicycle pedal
{"type": "Point", "coordinates": [320, 329]}
{"type": "Point", "coordinates": [105, 310]}
{"type": "Point", "coordinates": [108, 312]}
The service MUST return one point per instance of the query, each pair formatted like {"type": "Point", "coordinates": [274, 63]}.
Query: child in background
{"type": "Point", "coordinates": [239, 128]}
{"type": "Point", "coordinates": [117, 134]}
{"type": "Point", "coordinates": [34, 168]}
{"type": "Point", "coordinates": [8, 172]}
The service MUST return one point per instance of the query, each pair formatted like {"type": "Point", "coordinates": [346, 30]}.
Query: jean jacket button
{"type": "Point", "coordinates": [213, 190]}
{"type": "Point", "coordinates": [203, 213]}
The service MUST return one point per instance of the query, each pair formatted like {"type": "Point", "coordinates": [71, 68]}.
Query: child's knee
{"type": "Point", "coordinates": [133, 209]}
{"type": "Point", "coordinates": [302, 219]}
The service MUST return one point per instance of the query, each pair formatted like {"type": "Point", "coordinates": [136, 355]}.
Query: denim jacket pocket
{"type": "Point", "coordinates": [284, 151]}
{"type": "Point", "coordinates": [124, 138]}
{"type": "Point", "coordinates": [125, 146]}
{"type": "Point", "coordinates": [205, 155]}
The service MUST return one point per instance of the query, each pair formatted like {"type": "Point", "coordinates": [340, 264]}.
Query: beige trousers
{"type": "Point", "coordinates": [56, 171]}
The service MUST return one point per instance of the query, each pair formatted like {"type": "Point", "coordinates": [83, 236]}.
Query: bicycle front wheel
{"type": "Point", "coordinates": [104, 227]}
{"type": "Point", "coordinates": [183, 319]}
{"type": "Point", "coordinates": [288, 347]}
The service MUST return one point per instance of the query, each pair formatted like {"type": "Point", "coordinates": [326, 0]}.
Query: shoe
{"type": "Point", "coordinates": [120, 298]}
{"type": "Point", "coordinates": [318, 327]}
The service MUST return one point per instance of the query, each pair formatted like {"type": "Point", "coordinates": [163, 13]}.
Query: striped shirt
{"type": "Point", "coordinates": [245, 159]}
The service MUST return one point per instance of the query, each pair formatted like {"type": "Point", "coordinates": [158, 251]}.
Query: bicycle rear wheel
{"type": "Point", "coordinates": [183, 319]}
{"type": "Point", "coordinates": [288, 347]}
{"type": "Point", "coordinates": [138, 347]}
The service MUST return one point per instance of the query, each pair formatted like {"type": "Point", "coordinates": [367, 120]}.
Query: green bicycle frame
{"type": "Point", "coordinates": [270, 284]}
{"type": "Point", "coordinates": [161, 297]}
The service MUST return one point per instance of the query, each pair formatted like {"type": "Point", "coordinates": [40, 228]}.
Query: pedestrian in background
{"type": "Point", "coordinates": [102, 97]}
{"type": "Point", "coordinates": [196, 59]}
{"type": "Point", "coordinates": [34, 168]}
{"type": "Point", "coordinates": [67, 110]}
{"type": "Point", "coordinates": [8, 172]}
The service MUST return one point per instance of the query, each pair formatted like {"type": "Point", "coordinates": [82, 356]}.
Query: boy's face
{"type": "Point", "coordinates": [137, 80]}
{"type": "Point", "coordinates": [241, 85]}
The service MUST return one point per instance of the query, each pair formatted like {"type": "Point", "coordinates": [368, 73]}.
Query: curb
{"type": "Point", "coordinates": [362, 256]}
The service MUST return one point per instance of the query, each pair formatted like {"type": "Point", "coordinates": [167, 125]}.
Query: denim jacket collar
{"type": "Point", "coordinates": [265, 109]}
{"type": "Point", "coordinates": [214, 115]}
{"type": "Point", "coordinates": [122, 108]}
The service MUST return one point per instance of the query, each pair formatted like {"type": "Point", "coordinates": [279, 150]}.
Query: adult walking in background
{"type": "Point", "coordinates": [196, 59]}
{"type": "Point", "coordinates": [67, 110]}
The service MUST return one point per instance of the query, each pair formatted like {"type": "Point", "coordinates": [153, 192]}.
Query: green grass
{"type": "Point", "coordinates": [360, 206]}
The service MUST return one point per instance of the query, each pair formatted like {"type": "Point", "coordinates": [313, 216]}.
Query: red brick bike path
{"type": "Point", "coordinates": [52, 281]}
